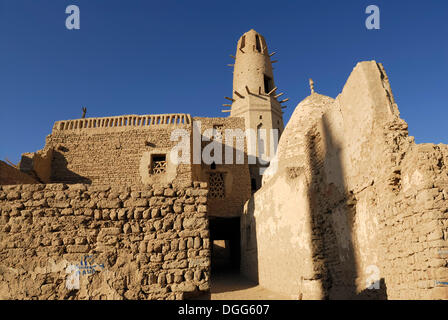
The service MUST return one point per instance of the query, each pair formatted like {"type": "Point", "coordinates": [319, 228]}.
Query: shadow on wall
{"type": "Point", "coordinates": [10, 175]}
{"type": "Point", "coordinates": [249, 263]}
{"type": "Point", "coordinates": [332, 209]}
{"type": "Point", "coordinates": [61, 174]}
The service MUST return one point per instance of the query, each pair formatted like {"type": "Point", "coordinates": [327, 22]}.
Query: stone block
{"type": "Point", "coordinates": [77, 248]}
{"type": "Point", "coordinates": [109, 204]}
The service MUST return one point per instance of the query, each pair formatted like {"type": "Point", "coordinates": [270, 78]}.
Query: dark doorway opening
{"type": "Point", "coordinates": [225, 244]}
{"type": "Point", "coordinates": [226, 281]}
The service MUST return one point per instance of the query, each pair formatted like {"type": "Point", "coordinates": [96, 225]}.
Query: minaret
{"type": "Point", "coordinates": [255, 96]}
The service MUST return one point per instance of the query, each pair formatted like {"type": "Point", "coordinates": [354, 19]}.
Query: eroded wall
{"type": "Point", "coordinates": [37, 164]}
{"type": "Point", "coordinates": [366, 204]}
{"type": "Point", "coordinates": [415, 229]}
{"type": "Point", "coordinates": [144, 243]}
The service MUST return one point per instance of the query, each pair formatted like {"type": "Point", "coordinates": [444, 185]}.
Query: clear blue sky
{"type": "Point", "coordinates": [143, 57]}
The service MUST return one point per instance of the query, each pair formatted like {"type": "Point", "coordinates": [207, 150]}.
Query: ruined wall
{"type": "Point", "coordinates": [415, 229]}
{"type": "Point", "coordinates": [142, 243]}
{"type": "Point", "coordinates": [37, 164]}
{"type": "Point", "coordinates": [354, 202]}
{"type": "Point", "coordinates": [11, 175]}
{"type": "Point", "coordinates": [116, 150]}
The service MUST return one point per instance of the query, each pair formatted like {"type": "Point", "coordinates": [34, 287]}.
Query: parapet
{"type": "Point", "coordinates": [123, 122]}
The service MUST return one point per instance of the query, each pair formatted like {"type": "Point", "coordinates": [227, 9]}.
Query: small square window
{"type": "Point", "coordinates": [158, 164]}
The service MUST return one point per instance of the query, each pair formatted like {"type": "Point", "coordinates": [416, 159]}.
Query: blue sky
{"type": "Point", "coordinates": [146, 57]}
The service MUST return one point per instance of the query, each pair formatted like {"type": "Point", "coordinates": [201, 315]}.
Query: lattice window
{"type": "Point", "coordinates": [216, 185]}
{"type": "Point", "coordinates": [158, 164]}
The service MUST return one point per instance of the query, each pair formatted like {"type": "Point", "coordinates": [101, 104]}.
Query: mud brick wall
{"type": "Point", "coordinates": [143, 243]}
{"type": "Point", "coordinates": [111, 155]}
{"type": "Point", "coordinates": [415, 228]}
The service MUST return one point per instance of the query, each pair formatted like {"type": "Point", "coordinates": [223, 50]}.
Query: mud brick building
{"type": "Point", "coordinates": [347, 207]}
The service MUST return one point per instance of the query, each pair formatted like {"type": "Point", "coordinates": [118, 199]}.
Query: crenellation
{"type": "Point", "coordinates": [124, 122]}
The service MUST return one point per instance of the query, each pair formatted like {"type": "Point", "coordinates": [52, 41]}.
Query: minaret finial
{"type": "Point", "coordinates": [84, 110]}
{"type": "Point", "coordinates": [311, 86]}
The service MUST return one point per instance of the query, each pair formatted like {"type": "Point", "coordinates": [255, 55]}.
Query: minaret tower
{"type": "Point", "coordinates": [255, 96]}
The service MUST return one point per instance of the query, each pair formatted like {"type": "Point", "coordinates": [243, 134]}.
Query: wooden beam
{"type": "Point", "coordinates": [272, 91]}
{"type": "Point", "coordinates": [272, 54]}
{"type": "Point", "coordinates": [284, 100]}
{"type": "Point", "coordinates": [278, 95]}
{"type": "Point", "coordinates": [10, 163]}
{"type": "Point", "coordinates": [226, 105]}
{"type": "Point", "coordinates": [233, 100]}
{"type": "Point", "coordinates": [238, 94]}
{"type": "Point", "coordinates": [274, 61]}
{"type": "Point", "coordinates": [226, 110]}
{"type": "Point", "coordinates": [230, 65]}
{"type": "Point", "coordinates": [232, 56]}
